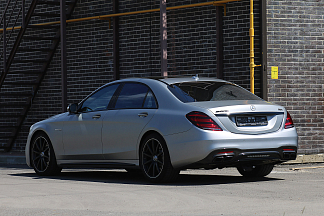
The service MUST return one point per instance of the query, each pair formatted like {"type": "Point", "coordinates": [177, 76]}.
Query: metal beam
{"type": "Point", "coordinates": [219, 42]}
{"type": "Point", "coordinates": [23, 24]}
{"type": "Point", "coordinates": [116, 41]}
{"type": "Point", "coordinates": [4, 45]}
{"type": "Point", "coordinates": [63, 55]}
{"type": "Point", "coordinates": [264, 50]}
{"type": "Point", "coordinates": [164, 38]}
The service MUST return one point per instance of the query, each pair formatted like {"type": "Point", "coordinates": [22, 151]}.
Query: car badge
{"type": "Point", "coordinates": [252, 108]}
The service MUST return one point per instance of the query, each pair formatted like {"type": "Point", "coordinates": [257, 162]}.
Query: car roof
{"type": "Point", "coordinates": [178, 79]}
{"type": "Point", "coordinates": [173, 80]}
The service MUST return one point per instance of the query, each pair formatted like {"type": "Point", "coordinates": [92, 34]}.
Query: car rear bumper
{"type": "Point", "coordinates": [237, 157]}
{"type": "Point", "coordinates": [203, 148]}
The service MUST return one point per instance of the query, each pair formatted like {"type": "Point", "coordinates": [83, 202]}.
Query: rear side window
{"type": "Point", "coordinates": [135, 96]}
{"type": "Point", "coordinates": [210, 91]}
{"type": "Point", "coordinates": [150, 101]}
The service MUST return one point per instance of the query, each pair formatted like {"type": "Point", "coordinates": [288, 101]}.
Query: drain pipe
{"type": "Point", "coordinates": [252, 65]}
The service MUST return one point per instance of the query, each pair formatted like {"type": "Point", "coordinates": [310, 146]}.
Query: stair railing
{"type": "Point", "coordinates": [5, 22]}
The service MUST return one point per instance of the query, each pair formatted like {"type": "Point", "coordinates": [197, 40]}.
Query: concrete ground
{"type": "Point", "coordinates": [288, 190]}
{"type": "Point", "coordinates": [19, 158]}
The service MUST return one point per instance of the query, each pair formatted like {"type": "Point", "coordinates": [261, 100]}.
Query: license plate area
{"type": "Point", "coordinates": [246, 121]}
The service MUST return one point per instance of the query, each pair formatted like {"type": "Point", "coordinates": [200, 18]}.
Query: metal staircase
{"type": "Point", "coordinates": [30, 53]}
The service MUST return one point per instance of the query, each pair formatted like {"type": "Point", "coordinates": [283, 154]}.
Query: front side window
{"type": "Point", "coordinates": [99, 100]}
{"type": "Point", "coordinates": [210, 91]}
{"type": "Point", "coordinates": [135, 96]}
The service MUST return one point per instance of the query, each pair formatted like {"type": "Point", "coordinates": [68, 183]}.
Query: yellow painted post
{"type": "Point", "coordinates": [251, 47]}
{"type": "Point", "coordinates": [252, 65]}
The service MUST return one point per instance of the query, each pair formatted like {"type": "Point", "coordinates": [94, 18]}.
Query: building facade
{"type": "Point", "coordinates": [289, 36]}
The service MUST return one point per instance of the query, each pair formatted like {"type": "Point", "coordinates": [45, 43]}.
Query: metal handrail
{"type": "Point", "coordinates": [4, 15]}
{"type": "Point", "coordinates": [5, 43]}
{"type": "Point", "coordinates": [14, 7]}
{"type": "Point", "coordinates": [5, 10]}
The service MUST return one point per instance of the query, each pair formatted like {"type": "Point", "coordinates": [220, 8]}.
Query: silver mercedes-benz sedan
{"type": "Point", "coordinates": [159, 126]}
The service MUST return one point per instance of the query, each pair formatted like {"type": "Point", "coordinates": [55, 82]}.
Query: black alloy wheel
{"type": "Point", "coordinates": [42, 156]}
{"type": "Point", "coordinates": [255, 171]}
{"type": "Point", "coordinates": [155, 160]}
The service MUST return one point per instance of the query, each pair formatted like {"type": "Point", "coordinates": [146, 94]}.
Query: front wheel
{"type": "Point", "coordinates": [43, 157]}
{"type": "Point", "coordinates": [155, 160]}
{"type": "Point", "coordinates": [255, 171]}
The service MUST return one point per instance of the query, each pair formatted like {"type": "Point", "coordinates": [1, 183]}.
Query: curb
{"type": "Point", "coordinates": [12, 159]}
{"type": "Point", "coordinates": [301, 159]}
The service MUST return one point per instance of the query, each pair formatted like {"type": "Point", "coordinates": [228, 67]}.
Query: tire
{"type": "Point", "coordinates": [255, 171]}
{"type": "Point", "coordinates": [43, 157]}
{"type": "Point", "coordinates": [155, 160]}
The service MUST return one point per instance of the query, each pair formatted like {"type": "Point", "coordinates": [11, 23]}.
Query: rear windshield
{"type": "Point", "coordinates": [209, 91]}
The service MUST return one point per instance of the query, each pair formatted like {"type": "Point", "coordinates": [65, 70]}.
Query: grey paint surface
{"type": "Point", "coordinates": [198, 192]}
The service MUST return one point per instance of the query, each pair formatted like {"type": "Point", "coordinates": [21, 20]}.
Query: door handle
{"type": "Point", "coordinates": [96, 116]}
{"type": "Point", "coordinates": [143, 115]}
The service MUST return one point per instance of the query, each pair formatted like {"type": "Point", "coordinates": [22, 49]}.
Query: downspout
{"type": "Point", "coordinates": [252, 65]}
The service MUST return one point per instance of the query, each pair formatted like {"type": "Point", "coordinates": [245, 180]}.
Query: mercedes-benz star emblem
{"type": "Point", "coordinates": [252, 108]}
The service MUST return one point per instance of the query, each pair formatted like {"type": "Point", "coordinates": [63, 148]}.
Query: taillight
{"type": "Point", "coordinates": [288, 150]}
{"type": "Point", "coordinates": [289, 122]}
{"type": "Point", "coordinates": [203, 121]}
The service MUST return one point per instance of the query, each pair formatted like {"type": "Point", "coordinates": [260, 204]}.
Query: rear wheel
{"type": "Point", "coordinates": [43, 157]}
{"type": "Point", "coordinates": [255, 171]}
{"type": "Point", "coordinates": [155, 160]}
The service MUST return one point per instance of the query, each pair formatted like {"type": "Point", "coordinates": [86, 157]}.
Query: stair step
{"type": "Point", "coordinates": [54, 26]}
{"type": "Point", "coordinates": [54, 2]}
{"type": "Point", "coordinates": [40, 38]}
{"type": "Point", "coordinates": [10, 116]}
{"type": "Point", "coordinates": [21, 83]}
{"type": "Point", "coordinates": [5, 137]}
{"type": "Point", "coordinates": [46, 14]}
{"type": "Point", "coordinates": [25, 72]}
{"type": "Point", "coordinates": [34, 49]}
{"type": "Point", "coordinates": [30, 60]}
{"type": "Point", "coordinates": [16, 94]}
{"type": "Point", "coordinates": [8, 127]}
{"type": "Point", "coordinates": [13, 105]}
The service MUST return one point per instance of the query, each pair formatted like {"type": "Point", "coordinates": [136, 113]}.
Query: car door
{"type": "Point", "coordinates": [134, 108]}
{"type": "Point", "coordinates": [82, 131]}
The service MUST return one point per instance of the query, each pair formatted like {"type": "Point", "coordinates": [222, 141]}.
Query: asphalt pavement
{"type": "Point", "coordinates": [288, 190]}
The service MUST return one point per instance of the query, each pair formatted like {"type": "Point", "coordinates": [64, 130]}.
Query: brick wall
{"type": "Point", "coordinates": [295, 45]}
{"type": "Point", "coordinates": [191, 49]}
{"type": "Point", "coordinates": [237, 44]}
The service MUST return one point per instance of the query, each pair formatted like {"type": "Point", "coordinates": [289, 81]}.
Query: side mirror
{"type": "Point", "coordinates": [73, 108]}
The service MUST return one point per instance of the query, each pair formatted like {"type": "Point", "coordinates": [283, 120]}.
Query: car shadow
{"type": "Point", "coordinates": [122, 177]}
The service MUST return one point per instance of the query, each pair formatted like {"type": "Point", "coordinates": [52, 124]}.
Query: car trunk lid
{"type": "Point", "coordinates": [246, 117]}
